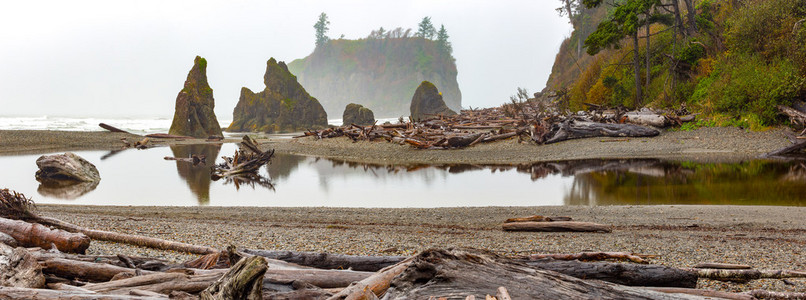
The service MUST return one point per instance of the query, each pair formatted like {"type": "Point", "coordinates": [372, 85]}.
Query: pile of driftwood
{"type": "Point", "coordinates": [47, 264]}
{"type": "Point", "coordinates": [243, 166]}
{"type": "Point", "coordinates": [531, 120]}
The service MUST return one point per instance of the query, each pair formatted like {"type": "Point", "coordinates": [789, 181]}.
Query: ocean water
{"type": "Point", "coordinates": [133, 125]}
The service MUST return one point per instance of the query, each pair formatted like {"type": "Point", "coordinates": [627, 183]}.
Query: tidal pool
{"type": "Point", "coordinates": [143, 177]}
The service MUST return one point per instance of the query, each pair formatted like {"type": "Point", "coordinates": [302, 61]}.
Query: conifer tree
{"type": "Point", "coordinates": [425, 29]}
{"type": "Point", "coordinates": [442, 40]}
{"type": "Point", "coordinates": [321, 30]}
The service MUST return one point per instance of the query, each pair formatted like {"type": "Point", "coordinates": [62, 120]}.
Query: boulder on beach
{"type": "Point", "coordinates": [194, 115]}
{"type": "Point", "coordinates": [357, 114]}
{"type": "Point", "coordinates": [68, 166]}
{"type": "Point", "coordinates": [283, 106]}
{"type": "Point", "coordinates": [427, 102]}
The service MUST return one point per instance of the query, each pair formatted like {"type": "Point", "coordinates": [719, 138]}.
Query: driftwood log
{"type": "Point", "coordinates": [620, 273]}
{"type": "Point", "coordinates": [111, 128]}
{"type": "Point", "coordinates": [537, 218]}
{"type": "Point", "coordinates": [591, 256]}
{"type": "Point", "coordinates": [575, 129]}
{"type": "Point", "coordinates": [330, 261]}
{"type": "Point", "coordinates": [8, 240]}
{"type": "Point", "coordinates": [137, 240]}
{"type": "Point", "coordinates": [793, 149]}
{"type": "Point", "coordinates": [458, 273]}
{"type": "Point", "coordinates": [560, 226]}
{"type": "Point", "coordinates": [37, 235]}
{"type": "Point", "coordinates": [375, 285]}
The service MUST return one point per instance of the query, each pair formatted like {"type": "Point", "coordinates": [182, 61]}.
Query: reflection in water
{"type": "Point", "coordinates": [65, 189]}
{"type": "Point", "coordinates": [282, 165]}
{"type": "Point", "coordinates": [651, 182]}
{"type": "Point", "coordinates": [197, 176]}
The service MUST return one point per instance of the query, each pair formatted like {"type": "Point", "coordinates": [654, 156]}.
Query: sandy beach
{"type": "Point", "coordinates": [762, 236]}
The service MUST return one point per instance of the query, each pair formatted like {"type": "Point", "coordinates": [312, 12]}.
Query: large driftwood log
{"type": "Point", "coordinates": [18, 268]}
{"type": "Point", "coordinates": [590, 256]}
{"type": "Point", "coordinates": [44, 294]}
{"type": "Point", "coordinates": [330, 261]}
{"type": "Point", "coordinates": [620, 273]}
{"type": "Point", "coordinates": [86, 271]}
{"type": "Point", "coordinates": [243, 281]}
{"type": "Point", "coordinates": [37, 235]}
{"type": "Point", "coordinates": [457, 273]}
{"type": "Point", "coordinates": [375, 285]}
{"type": "Point", "coordinates": [575, 129]}
{"type": "Point", "coordinates": [744, 275]}
{"type": "Point", "coordinates": [560, 226]}
{"type": "Point", "coordinates": [68, 166]}
{"type": "Point", "coordinates": [137, 240]}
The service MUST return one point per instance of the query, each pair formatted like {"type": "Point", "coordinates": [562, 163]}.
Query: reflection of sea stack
{"type": "Point", "coordinates": [283, 106]}
{"type": "Point", "coordinates": [197, 177]}
{"type": "Point", "coordinates": [194, 114]}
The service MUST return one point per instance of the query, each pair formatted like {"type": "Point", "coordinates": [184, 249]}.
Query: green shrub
{"type": "Point", "coordinates": [745, 83]}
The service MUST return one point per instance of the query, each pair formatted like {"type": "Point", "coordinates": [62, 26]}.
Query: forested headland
{"type": "Point", "coordinates": [733, 61]}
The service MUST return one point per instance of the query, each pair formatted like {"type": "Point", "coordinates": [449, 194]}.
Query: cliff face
{"type": "Point", "coordinates": [283, 106]}
{"type": "Point", "coordinates": [194, 115]}
{"type": "Point", "coordinates": [378, 73]}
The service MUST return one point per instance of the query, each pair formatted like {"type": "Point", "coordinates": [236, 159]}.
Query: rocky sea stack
{"type": "Point", "coordinates": [194, 115]}
{"type": "Point", "coordinates": [283, 106]}
{"type": "Point", "coordinates": [357, 114]}
{"type": "Point", "coordinates": [427, 101]}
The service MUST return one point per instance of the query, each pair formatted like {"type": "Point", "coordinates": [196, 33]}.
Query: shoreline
{"type": "Point", "coordinates": [717, 144]}
{"type": "Point", "coordinates": [765, 237]}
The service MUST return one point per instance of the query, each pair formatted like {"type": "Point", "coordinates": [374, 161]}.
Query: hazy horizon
{"type": "Point", "coordinates": [130, 59]}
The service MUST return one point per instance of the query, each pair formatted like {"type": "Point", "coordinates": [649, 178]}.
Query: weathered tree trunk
{"type": "Point", "coordinates": [44, 294]}
{"type": "Point", "coordinates": [463, 140]}
{"type": "Point", "coordinates": [37, 235]}
{"type": "Point", "coordinates": [620, 273]}
{"type": "Point", "coordinates": [704, 293]}
{"type": "Point", "coordinates": [560, 226]}
{"type": "Point", "coordinates": [456, 273]}
{"type": "Point", "coordinates": [537, 218]}
{"type": "Point", "coordinates": [330, 261]}
{"type": "Point", "coordinates": [786, 150]}
{"type": "Point", "coordinates": [691, 17]}
{"type": "Point", "coordinates": [589, 256]}
{"type": "Point", "coordinates": [86, 271]}
{"type": "Point", "coordinates": [739, 275]}
{"type": "Point", "coordinates": [18, 268]}
{"type": "Point", "coordinates": [636, 64]}
{"type": "Point", "coordinates": [573, 129]}
{"type": "Point", "coordinates": [375, 285]}
{"type": "Point", "coordinates": [111, 128]}
{"type": "Point", "coordinates": [243, 281]}
{"type": "Point", "coordinates": [137, 240]}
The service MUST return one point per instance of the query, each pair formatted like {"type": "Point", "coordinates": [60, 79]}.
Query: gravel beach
{"type": "Point", "coordinates": [762, 236]}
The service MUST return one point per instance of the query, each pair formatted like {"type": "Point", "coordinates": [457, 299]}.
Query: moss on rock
{"type": "Point", "coordinates": [194, 111]}
{"type": "Point", "coordinates": [427, 101]}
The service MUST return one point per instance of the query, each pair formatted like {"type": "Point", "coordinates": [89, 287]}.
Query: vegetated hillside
{"type": "Point", "coordinates": [733, 60]}
{"type": "Point", "coordinates": [380, 73]}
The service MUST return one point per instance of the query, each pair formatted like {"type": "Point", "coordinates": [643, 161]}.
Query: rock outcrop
{"type": "Point", "coordinates": [357, 114]}
{"type": "Point", "coordinates": [427, 102]}
{"type": "Point", "coordinates": [194, 115]}
{"type": "Point", "coordinates": [66, 166]}
{"type": "Point", "coordinates": [283, 106]}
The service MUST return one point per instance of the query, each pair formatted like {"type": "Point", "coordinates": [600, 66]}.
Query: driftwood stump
{"type": "Point", "coordinates": [18, 268]}
{"type": "Point", "coordinates": [575, 129]}
{"type": "Point", "coordinates": [243, 281]}
{"type": "Point", "coordinates": [66, 166]}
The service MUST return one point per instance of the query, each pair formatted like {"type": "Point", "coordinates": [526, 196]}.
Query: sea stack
{"type": "Point", "coordinates": [427, 102]}
{"type": "Point", "coordinates": [283, 106]}
{"type": "Point", "coordinates": [194, 115]}
{"type": "Point", "coordinates": [357, 114]}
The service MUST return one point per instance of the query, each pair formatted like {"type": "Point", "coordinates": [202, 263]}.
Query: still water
{"type": "Point", "coordinates": [143, 177]}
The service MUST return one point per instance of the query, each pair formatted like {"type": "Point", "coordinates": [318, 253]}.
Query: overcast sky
{"type": "Point", "coordinates": [131, 58]}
